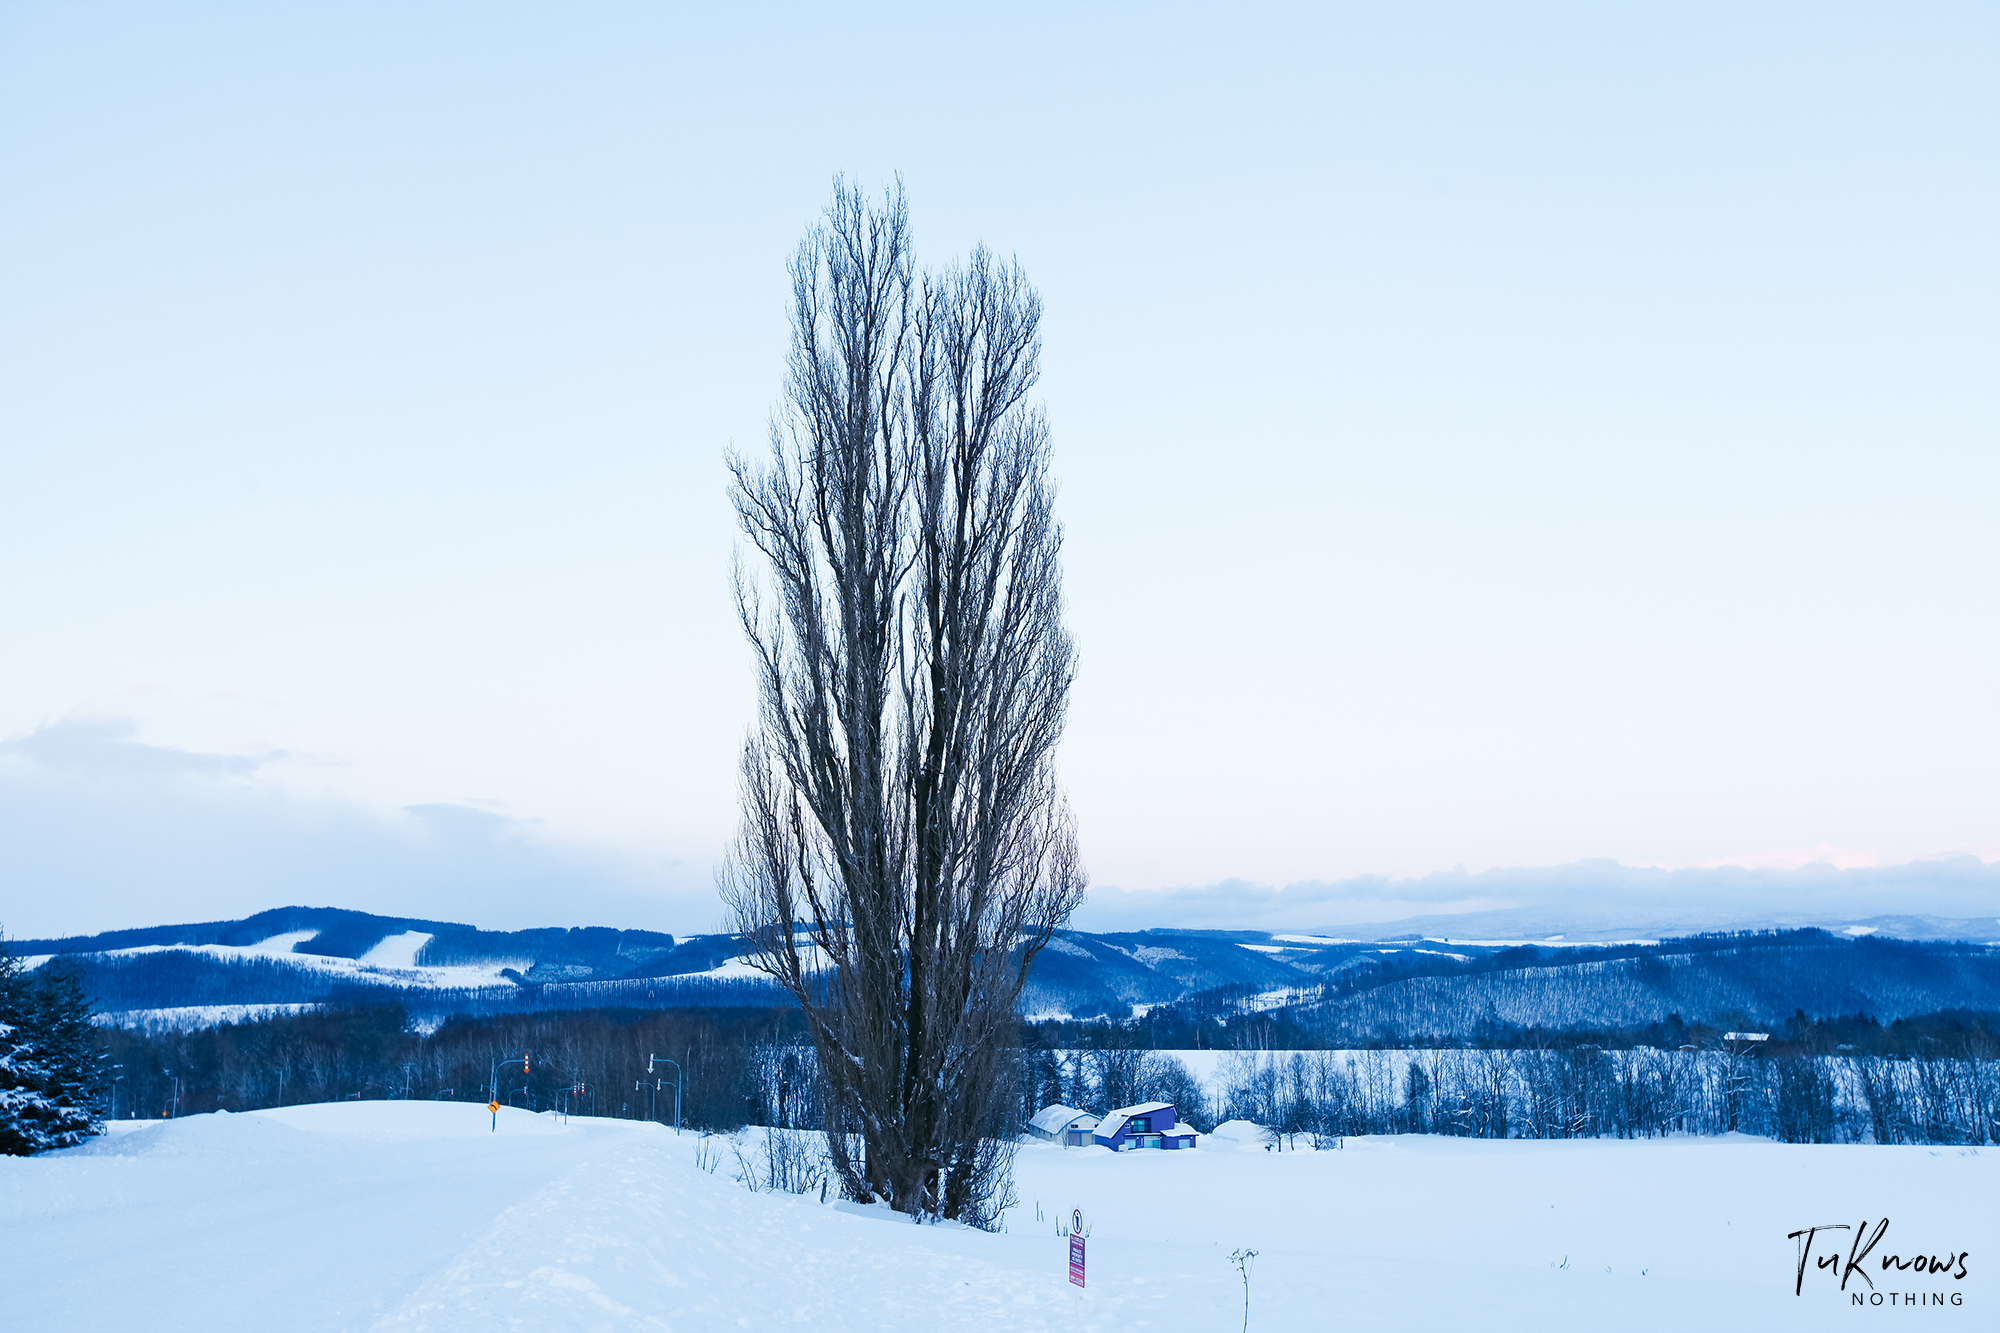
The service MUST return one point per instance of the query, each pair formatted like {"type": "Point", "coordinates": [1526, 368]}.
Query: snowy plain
{"type": "Point", "coordinates": [414, 1216]}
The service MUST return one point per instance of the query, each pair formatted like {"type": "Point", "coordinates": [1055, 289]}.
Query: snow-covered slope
{"type": "Point", "coordinates": [416, 1216]}
{"type": "Point", "coordinates": [390, 963]}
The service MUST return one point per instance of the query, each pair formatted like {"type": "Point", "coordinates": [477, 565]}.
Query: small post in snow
{"type": "Point", "coordinates": [494, 1107]}
{"type": "Point", "coordinates": [1076, 1256]}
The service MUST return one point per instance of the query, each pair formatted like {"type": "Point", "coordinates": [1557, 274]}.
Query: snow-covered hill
{"type": "Point", "coordinates": [392, 962]}
{"type": "Point", "coordinates": [183, 975]}
{"type": "Point", "coordinates": [417, 1216]}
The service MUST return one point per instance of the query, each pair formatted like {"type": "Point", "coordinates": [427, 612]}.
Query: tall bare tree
{"type": "Point", "coordinates": [906, 850]}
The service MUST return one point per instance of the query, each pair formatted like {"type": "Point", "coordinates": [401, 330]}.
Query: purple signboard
{"type": "Point", "coordinates": [1076, 1249]}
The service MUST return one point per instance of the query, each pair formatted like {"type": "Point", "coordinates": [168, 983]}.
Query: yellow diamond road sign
{"type": "Point", "coordinates": [493, 1107]}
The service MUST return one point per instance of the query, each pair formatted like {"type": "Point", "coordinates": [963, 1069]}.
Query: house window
{"type": "Point", "coordinates": [1141, 1124]}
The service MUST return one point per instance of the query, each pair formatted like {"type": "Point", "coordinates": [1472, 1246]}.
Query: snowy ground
{"type": "Point", "coordinates": [409, 1216]}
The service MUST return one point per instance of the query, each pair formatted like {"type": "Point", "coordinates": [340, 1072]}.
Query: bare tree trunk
{"type": "Point", "coordinates": [905, 850]}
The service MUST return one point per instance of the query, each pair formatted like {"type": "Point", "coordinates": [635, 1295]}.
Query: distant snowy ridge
{"type": "Point", "coordinates": [391, 963]}
{"type": "Point", "coordinates": [1360, 982]}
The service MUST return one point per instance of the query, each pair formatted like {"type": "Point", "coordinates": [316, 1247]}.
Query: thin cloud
{"type": "Point", "coordinates": [1595, 894]}
{"type": "Point", "coordinates": [102, 832]}
{"type": "Point", "coordinates": [106, 747]}
{"type": "Point", "coordinates": [466, 823]}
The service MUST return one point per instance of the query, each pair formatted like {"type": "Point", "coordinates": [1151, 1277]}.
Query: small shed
{"type": "Point", "coordinates": [1147, 1125]}
{"type": "Point", "coordinates": [1063, 1124]}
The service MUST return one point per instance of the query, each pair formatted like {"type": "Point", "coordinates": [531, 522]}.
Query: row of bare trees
{"type": "Point", "coordinates": [1588, 1093]}
{"type": "Point", "coordinates": [1537, 1094]}
{"type": "Point", "coordinates": [1102, 1079]}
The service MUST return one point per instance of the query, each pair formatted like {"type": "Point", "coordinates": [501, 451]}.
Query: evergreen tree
{"type": "Point", "coordinates": [1045, 1069]}
{"type": "Point", "coordinates": [26, 1113]}
{"type": "Point", "coordinates": [24, 1107]}
{"type": "Point", "coordinates": [13, 987]}
{"type": "Point", "coordinates": [72, 1052]}
{"type": "Point", "coordinates": [48, 1061]}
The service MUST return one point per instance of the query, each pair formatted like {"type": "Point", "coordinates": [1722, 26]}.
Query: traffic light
{"type": "Point", "coordinates": [524, 1065]}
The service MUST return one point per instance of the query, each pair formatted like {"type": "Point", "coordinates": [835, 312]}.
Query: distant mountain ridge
{"type": "Point", "coordinates": [1391, 980]}
{"type": "Point", "coordinates": [1605, 926]}
{"type": "Point", "coordinates": [555, 953]}
{"type": "Point", "coordinates": [294, 955]}
{"type": "Point", "coordinates": [340, 933]}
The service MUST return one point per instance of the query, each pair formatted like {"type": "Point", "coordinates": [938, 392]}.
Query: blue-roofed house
{"type": "Point", "coordinates": [1147, 1125]}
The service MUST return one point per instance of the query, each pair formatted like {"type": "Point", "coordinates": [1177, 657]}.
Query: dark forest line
{"type": "Point", "coordinates": [1919, 1080]}
{"type": "Point", "coordinates": [587, 1060]}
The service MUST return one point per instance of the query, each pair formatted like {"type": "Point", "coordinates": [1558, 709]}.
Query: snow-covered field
{"type": "Point", "coordinates": [194, 1017]}
{"type": "Point", "coordinates": [407, 1216]}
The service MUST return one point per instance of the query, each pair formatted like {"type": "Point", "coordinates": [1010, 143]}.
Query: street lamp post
{"type": "Point", "coordinates": [651, 1060]}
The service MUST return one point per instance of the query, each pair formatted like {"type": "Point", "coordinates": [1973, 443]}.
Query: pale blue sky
{"type": "Point", "coordinates": [1490, 436]}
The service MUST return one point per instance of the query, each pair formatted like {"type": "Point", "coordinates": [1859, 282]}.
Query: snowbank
{"type": "Point", "coordinates": [1235, 1134]}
